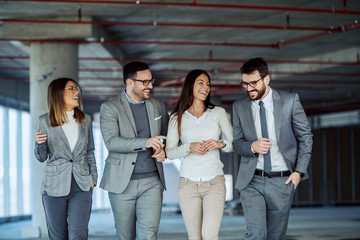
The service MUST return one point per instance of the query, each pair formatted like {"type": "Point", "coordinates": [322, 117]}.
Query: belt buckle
{"type": "Point", "coordinates": [263, 174]}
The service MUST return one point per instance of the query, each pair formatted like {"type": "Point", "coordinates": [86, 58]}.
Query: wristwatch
{"type": "Point", "coordinates": [223, 142]}
{"type": "Point", "coordinates": [301, 173]}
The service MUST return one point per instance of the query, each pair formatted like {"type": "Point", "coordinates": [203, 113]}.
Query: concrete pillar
{"type": "Point", "coordinates": [48, 61]}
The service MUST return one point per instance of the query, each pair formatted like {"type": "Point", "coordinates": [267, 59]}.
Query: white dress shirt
{"type": "Point", "coordinates": [277, 160]}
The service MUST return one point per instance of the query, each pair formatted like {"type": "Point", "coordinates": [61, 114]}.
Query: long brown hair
{"type": "Point", "coordinates": [56, 104]}
{"type": "Point", "coordinates": [187, 97]}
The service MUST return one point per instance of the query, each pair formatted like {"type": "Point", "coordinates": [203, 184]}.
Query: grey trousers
{"type": "Point", "coordinates": [266, 203]}
{"type": "Point", "coordinates": [137, 210]}
{"type": "Point", "coordinates": [202, 206]}
{"type": "Point", "coordinates": [68, 217]}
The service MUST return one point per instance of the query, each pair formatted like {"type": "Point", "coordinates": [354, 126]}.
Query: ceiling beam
{"type": "Point", "coordinates": [240, 61]}
{"type": "Point", "coordinates": [172, 24]}
{"type": "Point", "coordinates": [193, 3]}
{"type": "Point", "coordinates": [225, 44]}
{"type": "Point", "coordinates": [211, 71]}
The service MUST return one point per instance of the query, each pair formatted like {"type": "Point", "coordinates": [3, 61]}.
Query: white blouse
{"type": "Point", "coordinates": [210, 125]}
{"type": "Point", "coordinates": [71, 129]}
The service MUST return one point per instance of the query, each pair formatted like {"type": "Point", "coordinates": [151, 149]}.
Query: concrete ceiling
{"type": "Point", "coordinates": [313, 47]}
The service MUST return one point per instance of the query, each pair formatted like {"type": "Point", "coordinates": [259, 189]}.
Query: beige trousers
{"type": "Point", "coordinates": [202, 206]}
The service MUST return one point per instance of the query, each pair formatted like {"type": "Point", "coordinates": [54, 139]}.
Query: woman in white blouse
{"type": "Point", "coordinates": [65, 141]}
{"type": "Point", "coordinates": [194, 134]}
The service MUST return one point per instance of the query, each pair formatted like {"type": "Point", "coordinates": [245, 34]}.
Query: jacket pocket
{"type": "Point", "coordinates": [244, 160]}
{"type": "Point", "coordinates": [113, 161]}
{"type": "Point", "coordinates": [157, 118]}
{"type": "Point", "coordinates": [83, 169]}
{"type": "Point", "coordinates": [182, 183]}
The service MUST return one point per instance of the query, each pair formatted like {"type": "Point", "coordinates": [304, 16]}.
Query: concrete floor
{"type": "Point", "coordinates": [335, 223]}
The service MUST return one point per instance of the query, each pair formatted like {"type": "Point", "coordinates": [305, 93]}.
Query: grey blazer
{"type": "Point", "coordinates": [61, 162]}
{"type": "Point", "coordinates": [293, 134]}
{"type": "Point", "coordinates": [120, 136]}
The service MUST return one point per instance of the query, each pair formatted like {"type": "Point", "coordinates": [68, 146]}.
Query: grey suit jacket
{"type": "Point", "coordinates": [61, 162]}
{"type": "Point", "coordinates": [120, 136]}
{"type": "Point", "coordinates": [293, 134]}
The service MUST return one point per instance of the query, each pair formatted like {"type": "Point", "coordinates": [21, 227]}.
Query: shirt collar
{"type": "Point", "coordinates": [201, 117]}
{"type": "Point", "coordinates": [70, 113]}
{"type": "Point", "coordinates": [132, 101]}
{"type": "Point", "coordinates": [267, 100]}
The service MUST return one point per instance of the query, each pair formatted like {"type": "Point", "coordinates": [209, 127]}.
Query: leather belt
{"type": "Point", "coordinates": [272, 174]}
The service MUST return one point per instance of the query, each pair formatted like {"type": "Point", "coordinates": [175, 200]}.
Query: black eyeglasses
{"type": "Point", "coordinates": [145, 82]}
{"type": "Point", "coordinates": [73, 89]}
{"type": "Point", "coordinates": [252, 83]}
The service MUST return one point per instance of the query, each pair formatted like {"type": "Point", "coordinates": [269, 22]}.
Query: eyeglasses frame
{"type": "Point", "coordinates": [76, 89]}
{"type": "Point", "coordinates": [250, 83]}
{"type": "Point", "coordinates": [152, 81]}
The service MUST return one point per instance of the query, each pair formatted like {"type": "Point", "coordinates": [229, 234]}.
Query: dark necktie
{"type": "Point", "coordinates": [265, 134]}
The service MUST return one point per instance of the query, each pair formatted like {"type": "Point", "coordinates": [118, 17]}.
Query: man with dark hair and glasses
{"type": "Point", "coordinates": [273, 137]}
{"type": "Point", "coordinates": [133, 127]}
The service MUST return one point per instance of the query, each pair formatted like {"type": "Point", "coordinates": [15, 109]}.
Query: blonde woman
{"type": "Point", "coordinates": [65, 141]}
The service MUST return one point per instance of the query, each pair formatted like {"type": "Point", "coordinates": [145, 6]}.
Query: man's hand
{"type": "Point", "coordinates": [262, 145]}
{"type": "Point", "coordinates": [197, 148]}
{"type": "Point", "coordinates": [295, 178]}
{"type": "Point", "coordinates": [159, 155]}
{"type": "Point", "coordinates": [155, 143]}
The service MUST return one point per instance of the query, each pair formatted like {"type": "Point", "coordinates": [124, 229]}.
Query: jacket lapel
{"type": "Point", "coordinates": [277, 113]}
{"type": "Point", "coordinates": [151, 116]}
{"type": "Point", "coordinates": [126, 105]}
{"type": "Point", "coordinates": [249, 117]}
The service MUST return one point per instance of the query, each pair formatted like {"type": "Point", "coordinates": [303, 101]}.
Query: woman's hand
{"type": "Point", "coordinates": [40, 137]}
{"type": "Point", "coordinates": [92, 185]}
{"type": "Point", "coordinates": [197, 148]}
{"type": "Point", "coordinates": [212, 144]}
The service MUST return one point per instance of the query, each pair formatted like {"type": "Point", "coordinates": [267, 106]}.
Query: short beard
{"type": "Point", "coordinates": [260, 92]}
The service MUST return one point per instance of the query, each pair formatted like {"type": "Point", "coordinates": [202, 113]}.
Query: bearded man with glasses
{"type": "Point", "coordinates": [273, 137]}
{"type": "Point", "coordinates": [133, 127]}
